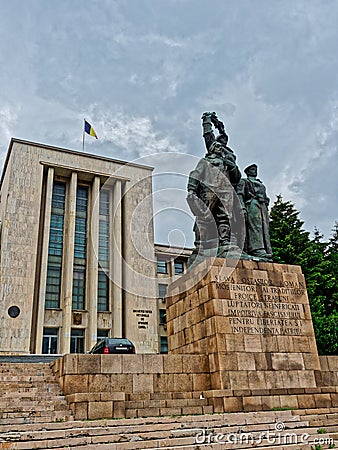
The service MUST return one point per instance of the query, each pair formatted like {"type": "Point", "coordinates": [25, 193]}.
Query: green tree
{"type": "Point", "coordinates": [328, 340]}
{"type": "Point", "coordinates": [331, 255]}
{"type": "Point", "coordinates": [333, 242]}
{"type": "Point", "coordinates": [288, 239]}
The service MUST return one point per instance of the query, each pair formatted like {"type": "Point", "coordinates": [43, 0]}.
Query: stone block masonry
{"type": "Point", "coordinates": [253, 321]}
{"type": "Point", "coordinates": [103, 386]}
{"type": "Point", "coordinates": [124, 386]}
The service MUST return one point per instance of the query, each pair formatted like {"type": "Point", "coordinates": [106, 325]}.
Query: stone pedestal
{"type": "Point", "coordinates": [253, 321]}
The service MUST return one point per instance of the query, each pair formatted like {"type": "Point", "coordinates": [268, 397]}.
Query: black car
{"type": "Point", "coordinates": [113, 345]}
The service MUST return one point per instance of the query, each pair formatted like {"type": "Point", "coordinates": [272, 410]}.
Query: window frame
{"type": "Point", "coordinates": [178, 261]}
{"type": "Point", "coordinates": [162, 264]}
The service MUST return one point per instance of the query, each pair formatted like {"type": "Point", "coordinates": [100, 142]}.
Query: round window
{"type": "Point", "coordinates": [13, 311]}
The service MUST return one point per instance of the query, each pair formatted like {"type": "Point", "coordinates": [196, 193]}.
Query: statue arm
{"type": "Point", "coordinates": [208, 134]}
{"type": "Point", "coordinates": [241, 193]}
{"type": "Point", "coordinates": [220, 127]}
{"type": "Point", "coordinates": [260, 193]}
{"type": "Point", "coordinates": [196, 205]}
{"type": "Point", "coordinates": [194, 178]}
{"type": "Point", "coordinates": [234, 174]}
{"type": "Point", "coordinates": [266, 198]}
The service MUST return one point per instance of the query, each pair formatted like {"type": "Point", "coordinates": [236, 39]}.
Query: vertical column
{"type": "Point", "coordinates": [44, 261]}
{"type": "Point", "coordinates": [93, 251]}
{"type": "Point", "coordinates": [68, 263]}
{"type": "Point", "coordinates": [116, 259]}
{"type": "Point", "coordinates": [172, 269]}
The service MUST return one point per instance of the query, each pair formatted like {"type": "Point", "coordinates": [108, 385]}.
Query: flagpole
{"type": "Point", "coordinates": [83, 134]}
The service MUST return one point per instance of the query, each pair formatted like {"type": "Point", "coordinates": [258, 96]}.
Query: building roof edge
{"type": "Point", "coordinates": [75, 152]}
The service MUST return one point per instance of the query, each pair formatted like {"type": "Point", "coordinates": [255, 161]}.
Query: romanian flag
{"type": "Point", "coordinates": [89, 129]}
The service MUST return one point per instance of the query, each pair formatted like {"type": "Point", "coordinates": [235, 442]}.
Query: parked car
{"type": "Point", "coordinates": [113, 345]}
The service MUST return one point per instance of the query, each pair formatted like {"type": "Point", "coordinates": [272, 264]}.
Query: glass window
{"type": "Point", "coordinates": [104, 203]}
{"type": "Point", "coordinates": [58, 198]}
{"type": "Point", "coordinates": [161, 266]}
{"type": "Point", "coordinates": [163, 317]}
{"type": "Point", "coordinates": [103, 273]}
{"type": "Point", "coordinates": [104, 229]}
{"type": "Point", "coordinates": [56, 235]}
{"type": "Point", "coordinates": [101, 333]}
{"type": "Point", "coordinates": [179, 266]}
{"type": "Point", "coordinates": [55, 247]}
{"type": "Point", "coordinates": [77, 340]}
{"type": "Point", "coordinates": [81, 199]}
{"type": "Point", "coordinates": [103, 292]}
{"type": "Point", "coordinates": [162, 290]}
{"type": "Point", "coordinates": [80, 249]}
{"type": "Point", "coordinates": [50, 341]}
{"type": "Point", "coordinates": [53, 286]}
{"type": "Point", "coordinates": [164, 344]}
{"type": "Point", "coordinates": [103, 242]}
{"type": "Point", "coordinates": [79, 288]}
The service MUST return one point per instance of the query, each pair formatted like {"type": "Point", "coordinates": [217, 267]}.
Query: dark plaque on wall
{"type": "Point", "coordinates": [77, 318]}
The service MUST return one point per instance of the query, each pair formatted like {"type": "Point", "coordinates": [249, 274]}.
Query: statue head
{"type": "Point", "coordinates": [216, 148]}
{"type": "Point", "coordinates": [251, 171]}
{"type": "Point", "coordinates": [223, 139]}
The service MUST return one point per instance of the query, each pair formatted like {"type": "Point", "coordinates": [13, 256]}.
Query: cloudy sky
{"type": "Point", "coordinates": [143, 71]}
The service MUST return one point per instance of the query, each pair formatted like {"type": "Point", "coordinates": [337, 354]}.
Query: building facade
{"type": "Point", "coordinates": [74, 261]}
{"type": "Point", "coordinates": [171, 264]}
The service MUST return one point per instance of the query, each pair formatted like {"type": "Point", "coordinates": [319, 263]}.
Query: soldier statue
{"type": "Point", "coordinates": [211, 192]}
{"type": "Point", "coordinates": [252, 194]}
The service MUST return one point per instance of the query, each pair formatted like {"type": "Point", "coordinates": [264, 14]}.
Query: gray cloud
{"type": "Point", "coordinates": [143, 72]}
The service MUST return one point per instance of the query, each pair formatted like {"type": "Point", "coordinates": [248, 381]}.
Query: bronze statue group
{"type": "Point", "coordinates": [231, 212]}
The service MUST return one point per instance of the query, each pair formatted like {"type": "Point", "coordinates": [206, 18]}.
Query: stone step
{"type": "Point", "coordinates": [140, 446]}
{"type": "Point", "coordinates": [166, 429]}
{"type": "Point", "coordinates": [24, 368]}
{"type": "Point", "coordinates": [320, 417]}
{"type": "Point", "coordinates": [9, 378]}
{"type": "Point", "coordinates": [58, 417]}
{"type": "Point", "coordinates": [48, 407]}
{"type": "Point", "coordinates": [28, 383]}
{"type": "Point", "coordinates": [34, 411]}
{"type": "Point", "coordinates": [217, 419]}
{"type": "Point", "coordinates": [27, 401]}
{"type": "Point", "coordinates": [156, 428]}
{"type": "Point", "coordinates": [37, 402]}
{"type": "Point", "coordinates": [29, 393]}
{"type": "Point", "coordinates": [30, 396]}
{"type": "Point", "coordinates": [180, 438]}
{"type": "Point", "coordinates": [25, 387]}
{"type": "Point", "coordinates": [250, 418]}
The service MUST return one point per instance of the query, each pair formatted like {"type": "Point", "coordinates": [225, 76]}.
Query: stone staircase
{"type": "Point", "coordinates": [34, 415]}
{"type": "Point", "coordinates": [29, 393]}
{"type": "Point", "coordinates": [299, 429]}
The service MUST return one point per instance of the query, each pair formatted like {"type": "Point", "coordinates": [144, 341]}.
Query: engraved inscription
{"type": "Point", "coordinates": [260, 308]}
{"type": "Point", "coordinates": [142, 317]}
